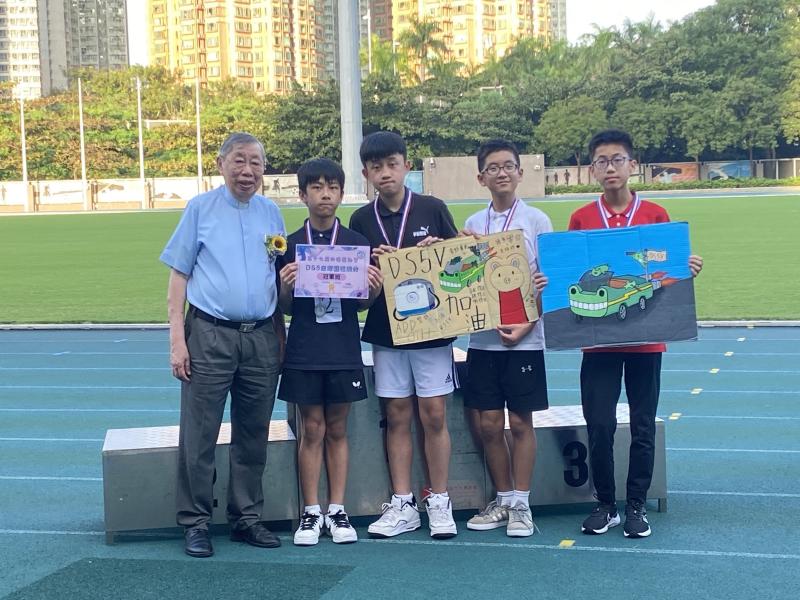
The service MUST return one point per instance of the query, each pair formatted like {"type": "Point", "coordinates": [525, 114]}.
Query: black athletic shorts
{"type": "Point", "coordinates": [322, 387]}
{"type": "Point", "coordinates": [497, 379]}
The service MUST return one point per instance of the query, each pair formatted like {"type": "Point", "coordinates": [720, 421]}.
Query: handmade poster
{"type": "Point", "coordinates": [458, 286]}
{"type": "Point", "coordinates": [613, 287]}
{"type": "Point", "coordinates": [331, 271]}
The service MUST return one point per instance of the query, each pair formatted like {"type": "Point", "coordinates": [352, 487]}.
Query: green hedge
{"type": "Point", "coordinates": [705, 184]}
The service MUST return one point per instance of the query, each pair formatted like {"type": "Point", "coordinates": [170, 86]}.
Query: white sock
{"type": "Point", "coordinates": [505, 498]}
{"type": "Point", "coordinates": [523, 497]}
{"type": "Point", "coordinates": [439, 499]}
{"type": "Point", "coordinates": [314, 509]}
{"type": "Point", "coordinates": [335, 508]}
{"type": "Point", "coordinates": [401, 499]}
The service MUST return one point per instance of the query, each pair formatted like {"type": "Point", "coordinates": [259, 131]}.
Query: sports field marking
{"type": "Point", "coordinates": [745, 494]}
{"type": "Point", "coordinates": [566, 543]}
{"type": "Point", "coordinates": [750, 417]}
{"type": "Point", "coordinates": [714, 371]}
{"type": "Point", "coordinates": [696, 391]}
{"type": "Point", "coordinates": [751, 450]}
{"type": "Point", "coordinates": [86, 369]}
{"type": "Point", "coordinates": [729, 354]}
{"type": "Point", "coordinates": [30, 439]}
{"type": "Point", "coordinates": [45, 478]}
{"type": "Point", "coordinates": [457, 544]}
{"type": "Point", "coordinates": [92, 410]}
{"type": "Point", "coordinates": [741, 339]}
{"type": "Point", "coordinates": [675, 416]}
{"type": "Point", "coordinates": [163, 353]}
{"type": "Point", "coordinates": [90, 387]}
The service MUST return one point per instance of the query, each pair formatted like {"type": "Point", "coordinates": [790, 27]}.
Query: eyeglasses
{"type": "Point", "coordinates": [617, 161]}
{"type": "Point", "coordinates": [493, 169]}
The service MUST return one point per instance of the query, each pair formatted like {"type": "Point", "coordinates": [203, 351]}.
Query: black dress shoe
{"type": "Point", "coordinates": [255, 535]}
{"type": "Point", "coordinates": [198, 543]}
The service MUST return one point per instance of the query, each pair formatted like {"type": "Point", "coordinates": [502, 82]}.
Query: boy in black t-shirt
{"type": "Point", "coordinates": [322, 370]}
{"type": "Point", "coordinates": [422, 372]}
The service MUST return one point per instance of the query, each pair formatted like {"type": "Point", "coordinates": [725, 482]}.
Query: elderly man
{"type": "Point", "coordinates": [230, 341]}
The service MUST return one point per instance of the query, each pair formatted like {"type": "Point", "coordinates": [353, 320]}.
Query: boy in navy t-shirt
{"type": "Point", "coordinates": [322, 370]}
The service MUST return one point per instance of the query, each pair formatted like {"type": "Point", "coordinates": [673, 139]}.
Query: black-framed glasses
{"type": "Point", "coordinates": [617, 161]}
{"type": "Point", "coordinates": [494, 169]}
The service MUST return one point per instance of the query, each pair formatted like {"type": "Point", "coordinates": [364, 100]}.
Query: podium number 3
{"type": "Point", "coordinates": [577, 474]}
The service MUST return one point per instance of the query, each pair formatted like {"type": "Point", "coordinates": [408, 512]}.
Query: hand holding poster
{"type": "Point", "coordinates": [458, 286]}
{"type": "Point", "coordinates": [331, 271]}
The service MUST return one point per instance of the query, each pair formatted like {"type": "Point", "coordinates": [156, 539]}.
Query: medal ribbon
{"type": "Point", "coordinates": [634, 207]}
{"type": "Point", "coordinates": [509, 216]}
{"type": "Point", "coordinates": [406, 212]}
{"type": "Point", "coordinates": [334, 234]}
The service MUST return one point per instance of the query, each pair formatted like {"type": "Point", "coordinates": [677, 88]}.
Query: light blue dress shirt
{"type": "Point", "coordinates": [219, 245]}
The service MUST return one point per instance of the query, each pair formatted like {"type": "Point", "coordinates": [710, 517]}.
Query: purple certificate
{"type": "Point", "coordinates": [331, 271]}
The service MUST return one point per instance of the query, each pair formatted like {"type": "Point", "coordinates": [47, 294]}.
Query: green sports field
{"type": "Point", "coordinates": [104, 268]}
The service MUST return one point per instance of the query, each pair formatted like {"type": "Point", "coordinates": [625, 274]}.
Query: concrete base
{"type": "Point", "coordinates": [140, 470]}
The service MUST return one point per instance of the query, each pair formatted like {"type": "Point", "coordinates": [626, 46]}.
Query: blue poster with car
{"type": "Point", "coordinates": [617, 287]}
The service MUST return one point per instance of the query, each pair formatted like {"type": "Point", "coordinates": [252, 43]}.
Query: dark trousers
{"type": "Point", "coordinates": [246, 365]}
{"type": "Point", "coordinates": [601, 384]}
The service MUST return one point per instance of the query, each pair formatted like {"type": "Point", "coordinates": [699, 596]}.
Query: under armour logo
{"type": "Point", "coordinates": [357, 384]}
{"type": "Point", "coordinates": [529, 368]}
{"type": "Point", "coordinates": [448, 379]}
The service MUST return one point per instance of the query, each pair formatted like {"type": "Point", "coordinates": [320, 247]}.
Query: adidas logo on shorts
{"type": "Point", "coordinates": [448, 379]}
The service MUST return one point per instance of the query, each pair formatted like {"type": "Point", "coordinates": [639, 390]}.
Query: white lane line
{"type": "Point", "coordinates": [753, 450]}
{"type": "Point", "coordinates": [97, 369]}
{"type": "Point", "coordinates": [164, 353]}
{"type": "Point", "coordinates": [91, 410]}
{"type": "Point", "coordinates": [734, 417]}
{"type": "Point", "coordinates": [521, 546]}
{"type": "Point", "coordinates": [90, 387]}
{"type": "Point", "coordinates": [44, 478]}
{"type": "Point", "coordinates": [32, 439]}
{"type": "Point", "coordinates": [656, 551]}
{"type": "Point", "coordinates": [745, 494]}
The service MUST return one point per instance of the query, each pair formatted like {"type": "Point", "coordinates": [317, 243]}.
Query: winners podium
{"type": "Point", "coordinates": [139, 465]}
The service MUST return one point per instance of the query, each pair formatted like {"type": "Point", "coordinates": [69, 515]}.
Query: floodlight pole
{"type": "Point", "coordinates": [83, 148]}
{"type": "Point", "coordinates": [368, 18]}
{"type": "Point", "coordinates": [199, 137]}
{"type": "Point", "coordinates": [350, 100]}
{"type": "Point", "coordinates": [141, 144]}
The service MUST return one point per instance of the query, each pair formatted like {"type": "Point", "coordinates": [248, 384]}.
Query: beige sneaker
{"type": "Point", "coordinates": [493, 516]}
{"type": "Point", "coordinates": [520, 521]}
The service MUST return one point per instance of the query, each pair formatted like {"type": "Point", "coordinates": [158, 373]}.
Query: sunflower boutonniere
{"type": "Point", "coordinates": [275, 245]}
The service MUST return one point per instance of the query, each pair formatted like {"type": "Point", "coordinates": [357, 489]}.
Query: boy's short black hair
{"type": "Point", "coordinates": [382, 144]}
{"type": "Point", "coordinates": [611, 136]}
{"type": "Point", "coordinates": [312, 170]}
{"type": "Point", "coordinates": [486, 148]}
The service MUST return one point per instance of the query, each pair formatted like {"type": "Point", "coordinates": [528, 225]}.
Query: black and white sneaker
{"type": "Point", "coordinates": [602, 518]}
{"type": "Point", "coordinates": [339, 527]}
{"type": "Point", "coordinates": [636, 523]}
{"type": "Point", "coordinates": [307, 533]}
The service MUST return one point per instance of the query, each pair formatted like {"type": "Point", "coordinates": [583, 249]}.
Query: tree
{"type": "Point", "coordinates": [567, 126]}
{"type": "Point", "coordinates": [420, 41]}
{"type": "Point", "coordinates": [649, 123]}
{"type": "Point", "coordinates": [790, 99]}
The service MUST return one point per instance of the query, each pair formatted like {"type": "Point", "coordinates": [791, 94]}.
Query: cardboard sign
{"type": "Point", "coordinates": [617, 287]}
{"type": "Point", "coordinates": [331, 271]}
{"type": "Point", "coordinates": [458, 286]}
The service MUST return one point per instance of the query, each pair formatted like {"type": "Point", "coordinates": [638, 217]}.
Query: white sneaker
{"type": "Point", "coordinates": [340, 529]}
{"type": "Point", "coordinates": [440, 517]}
{"type": "Point", "coordinates": [520, 521]}
{"type": "Point", "coordinates": [308, 532]}
{"type": "Point", "coordinates": [398, 517]}
{"type": "Point", "coordinates": [491, 517]}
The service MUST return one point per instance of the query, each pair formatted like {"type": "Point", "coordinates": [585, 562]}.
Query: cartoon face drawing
{"type": "Point", "coordinates": [507, 275]}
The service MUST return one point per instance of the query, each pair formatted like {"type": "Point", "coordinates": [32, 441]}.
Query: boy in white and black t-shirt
{"type": "Point", "coordinates": [322, 369]}
{"type": "Point", "coordinates": [505, 367]}
{"type": "Point", "coordinates": [423, 372]}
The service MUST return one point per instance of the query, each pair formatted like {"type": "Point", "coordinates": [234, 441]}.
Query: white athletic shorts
{"type": "Point", "coordinates": [425, 372]}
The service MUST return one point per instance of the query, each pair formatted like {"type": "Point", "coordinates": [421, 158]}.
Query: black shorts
{"type": "Point", "coordinates": [322, 387]}
{"type": "Point", "coordinates": [497, 379]}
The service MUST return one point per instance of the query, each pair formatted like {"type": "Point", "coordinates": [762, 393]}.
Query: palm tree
{"type": "Point", "coordinates": [420, 41]}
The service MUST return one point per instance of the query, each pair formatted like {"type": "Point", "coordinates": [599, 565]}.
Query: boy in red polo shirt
{"type": "Point", "coordinates": [603, 369]}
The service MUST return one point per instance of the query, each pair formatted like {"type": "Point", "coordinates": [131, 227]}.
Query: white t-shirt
{"type": "Point", "coordinates": [532, 222]}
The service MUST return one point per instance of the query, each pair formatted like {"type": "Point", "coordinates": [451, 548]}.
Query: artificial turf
{"type": "Point", "coordinates": [104, 268]}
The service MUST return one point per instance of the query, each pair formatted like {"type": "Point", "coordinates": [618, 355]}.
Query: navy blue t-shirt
{"type": "Point", "coordinates": [313, 346]}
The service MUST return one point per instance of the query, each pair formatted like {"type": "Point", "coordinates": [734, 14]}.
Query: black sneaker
{"type": "Point", "coordinates": [603, 516]}
{"type": "Point", "coordinates": [636, 524]}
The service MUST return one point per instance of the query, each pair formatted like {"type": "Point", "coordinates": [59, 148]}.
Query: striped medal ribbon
{"type": "Point", "coordinates": [636, 203]}
{"type": "Point", "coordinates": [334, 234]}
{"type": "Point", "coordinates": [406, 212]}
{"type": "Point", "coordinates": [509, 216]}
